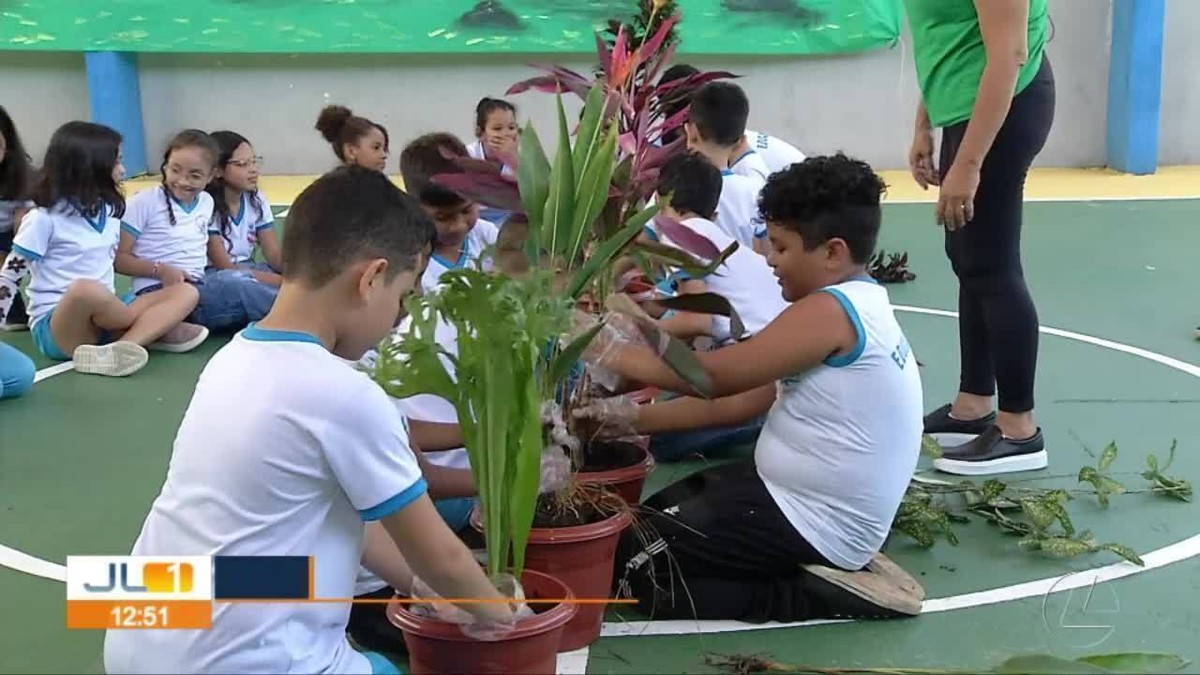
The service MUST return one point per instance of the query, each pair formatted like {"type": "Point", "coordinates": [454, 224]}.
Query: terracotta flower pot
{"type": "Point", "coordinates": [440, 648]}
{"type": "Point", "coordinates": [582, 557]}
{"type": "Point", "coordinates": [627, 481]}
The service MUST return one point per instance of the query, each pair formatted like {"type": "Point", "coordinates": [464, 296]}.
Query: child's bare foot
{"type": "Point", "coordinates": [182, 338]}
{"type": "Point", "coordinates": [116, 359]}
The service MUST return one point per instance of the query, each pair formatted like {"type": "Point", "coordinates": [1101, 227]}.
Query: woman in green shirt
{"type": "Point", "coordinates": [987, 84]}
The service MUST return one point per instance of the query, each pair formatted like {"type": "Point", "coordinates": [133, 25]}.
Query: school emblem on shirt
{"type": "Point", "coordinates": [901, 353]}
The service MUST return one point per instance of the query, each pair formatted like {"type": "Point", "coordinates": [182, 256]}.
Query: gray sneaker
{"type": "Point", "coordinates": [116, 359]}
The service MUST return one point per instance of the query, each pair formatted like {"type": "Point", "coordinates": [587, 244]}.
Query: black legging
{"type": "Point", "coordinates": [997, 321]}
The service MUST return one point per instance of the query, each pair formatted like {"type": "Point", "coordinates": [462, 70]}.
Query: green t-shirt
{"type": "Point", "coordinates": [950, 56]}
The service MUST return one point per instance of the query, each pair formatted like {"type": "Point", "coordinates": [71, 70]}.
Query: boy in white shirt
{"type": "Point", "coordinates": [462, 236]}
{"type": "Point", "coordinates": [795, 534]}
{"type": "Point", "coordinates": [693, 185]}
{"type": "Point", "coordinates": [284, 450]}
{"type": "Point", "coordinates": [716, 124]}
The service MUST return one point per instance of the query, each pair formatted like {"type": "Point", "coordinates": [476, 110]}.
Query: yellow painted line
{"type": "Point", "coordinates": [1049, 184]}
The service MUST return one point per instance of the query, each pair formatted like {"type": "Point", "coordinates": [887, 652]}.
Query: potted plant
{"type": "Point", "coordinates": [503, 323]}
{"type": "Point", "coordinates": [573, 217]}
{"type": "Point", "coordinates": [619, 148]}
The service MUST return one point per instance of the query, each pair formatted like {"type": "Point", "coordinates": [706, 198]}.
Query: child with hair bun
{"type": "Point", "coordinates": [354, 139]}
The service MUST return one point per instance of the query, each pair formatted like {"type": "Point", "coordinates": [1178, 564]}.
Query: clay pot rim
{"type": "Point", "coordinates": [611, 525]}
{"type": "Point", "coordinates": [622, 474]}
{"type": "Point", "coordinates": [400, 616]}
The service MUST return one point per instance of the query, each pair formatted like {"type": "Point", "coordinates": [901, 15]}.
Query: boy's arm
{"type": "Point", "coordinates": [435, 436]}
{"type": "Point", "coordinates": [688, 413]}
{"type": "Point", "coordinates": [445, 482]}
{"type": "Point", "coordinates": [367, 449]}
{"type": "Point", "coordinates": [439, 558]}
{"type": "Point", "coordinates": [805, 334]}
{"type": "Point", "coordinates": [381, 556]}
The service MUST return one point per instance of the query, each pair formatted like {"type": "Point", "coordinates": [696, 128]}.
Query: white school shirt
{"type": "Point", "coordinates": [737, 210]}
{"type": "Point", "coordinates": [842, 440]}
{"type": "Point", "coordinates": [253, 217]}
{"type": "Point", "coordinates": [65, 246]}
{"type": "Point", "coordinates": [775, 153]}
{"type": "Point", "coordinates": [183, 245]}
{"type": "Point", "coordinates": [283, 451]}
{"type": "Point", "coordinates": [482, 235]}
{"type": "Point", "coordinates": [744, 279]}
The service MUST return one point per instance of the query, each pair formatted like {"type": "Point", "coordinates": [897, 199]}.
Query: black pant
{"type": "Point", "coordinates": [715, 546]}
{"type": "Point", "coordinates": [998, 323]}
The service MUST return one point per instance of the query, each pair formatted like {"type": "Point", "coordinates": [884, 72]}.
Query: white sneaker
{"type": "Point", "coordinates": [182, 338]}
{"type": "Point", "coordinates": [116, 359]}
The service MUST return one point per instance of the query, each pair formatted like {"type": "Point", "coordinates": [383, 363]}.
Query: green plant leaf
{"type": "Point", "coordinates": [591, 131]}
{"type": "Point", "coordinates": [1107, 457]}
{"type": "Point", "coordinates": [565, 360]}
{"type": "Point", "coordinates": [608, 250]}
{"type": "Point", "coordinates": [992, 489]}
{"type": "Point", "coordinates": [533, 181]}
{"type": "Point", "coordinates": [1136, 662]}
{"type": "Point", "coordinates": [591, 194]}
{"type": "Point", "coordinates": [931, 448]}
{"type": "Point", "coordinates": [682, 359]}
{"type": "Point", "coordinates": [707, 303]}
{"type": "Point", "coordinates": [1039, 516]}
{"type": "Point", "coordinates": [1042, 664]}
{"type": "Point", "coordinates": [560, 204]}
{"type": "Point", "coordinates": [1123, 551]}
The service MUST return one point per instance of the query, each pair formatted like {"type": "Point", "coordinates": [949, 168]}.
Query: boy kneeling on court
{"type": "Point", "coordinates": [795, 533]}
{"type": "Point", "coordinates": [284, 450]}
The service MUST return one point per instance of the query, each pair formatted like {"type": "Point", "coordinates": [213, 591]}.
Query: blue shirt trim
{"type": "Point", "coordinates": [860, 344]}
{"type": "Point", "coordinates": [405, 497]}
{"type": "Point", "coordinates": [237, 220]}
{"type": "Point", "coordinates": [253, 332]}
{"type": "Point", "coordinates": [26, 253]}
{"type": "Point", "coordinates": [458, 264]}
{"type": "Point", "coordinates": [187, 208]}
{"type": "Point", "coordinates": [130, 230]}
{"type": "Point", "coordinates": [744, 155]}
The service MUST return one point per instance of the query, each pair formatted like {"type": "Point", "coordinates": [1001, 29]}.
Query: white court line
{"type": "Point", "coordinates": [53, 370]}
{"type": "Point", "coordinates": [573, 663]}
{"type": "Point", "coordinates": [1161, 557]}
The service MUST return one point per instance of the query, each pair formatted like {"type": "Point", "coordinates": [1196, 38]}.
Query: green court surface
{"type": "Point", "coordinates": [83, 457]}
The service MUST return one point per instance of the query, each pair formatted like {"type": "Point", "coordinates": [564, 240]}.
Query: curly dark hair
{"type": "Point", "coordinates": [823, 198]}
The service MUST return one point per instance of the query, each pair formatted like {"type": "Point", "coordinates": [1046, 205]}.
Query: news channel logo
{"type": "Point", "coordinates": [139, 578]}
{"type": "Point", "coordinates": [1082, 610]}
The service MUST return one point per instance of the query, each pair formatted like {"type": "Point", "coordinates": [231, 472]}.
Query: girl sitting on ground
{"type": "Point", "coordinates": [242, 223]}
{"type": "Point", "coordinates": [795, 533]}
{"type": "Point", "coordinates": [166, 239]}
{"type": "Point", "coordinates": [354, 139]}
{"type": "Point", "coordinates": [68, 244]}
